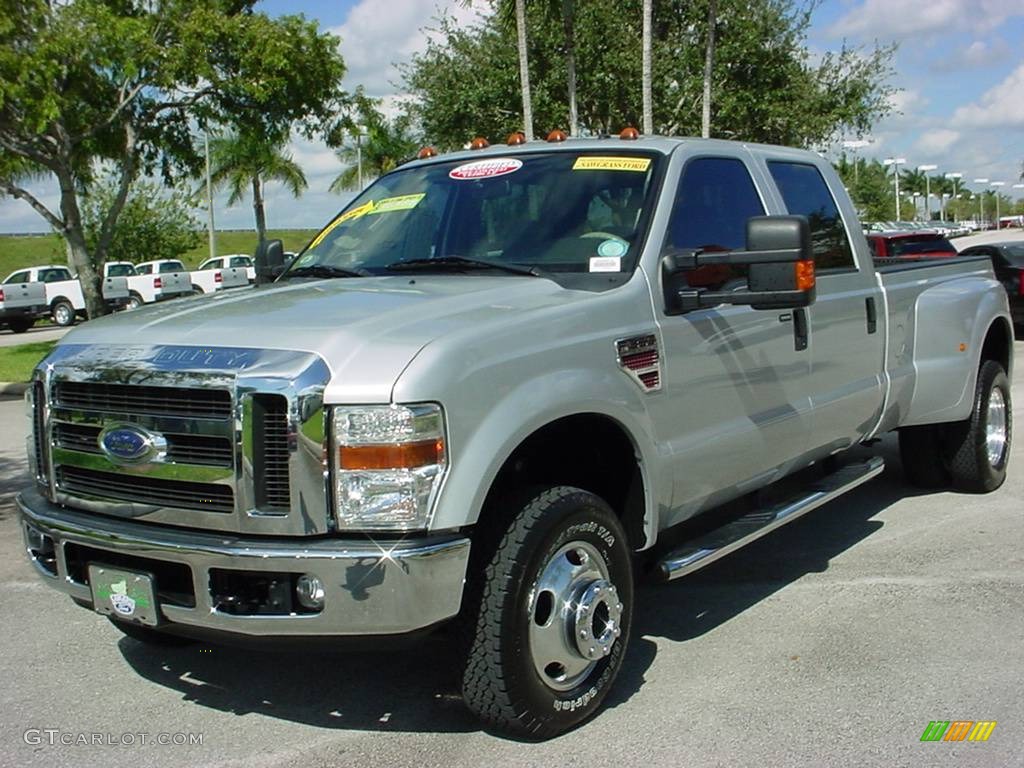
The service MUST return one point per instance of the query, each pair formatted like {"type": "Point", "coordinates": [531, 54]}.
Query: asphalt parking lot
{"type": "Point", "coordinates": [832, 642]}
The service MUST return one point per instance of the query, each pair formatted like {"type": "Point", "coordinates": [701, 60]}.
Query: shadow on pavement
{"type": "Point", "coordinates": [13, 479]}
{"type": "Point", "coordinates": [415, 690]}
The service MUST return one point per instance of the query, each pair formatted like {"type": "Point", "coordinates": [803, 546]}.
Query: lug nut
{"type": "Point", "coordinates": [583, 634]}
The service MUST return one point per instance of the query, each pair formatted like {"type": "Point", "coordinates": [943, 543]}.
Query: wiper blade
{"type": "Point", "coordinates": [324, 270]}
{"type": "Point", "coordinates": [461, 262]}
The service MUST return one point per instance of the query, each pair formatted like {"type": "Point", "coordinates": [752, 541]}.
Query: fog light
{"type": "Point", "coordinates": [310, 591]}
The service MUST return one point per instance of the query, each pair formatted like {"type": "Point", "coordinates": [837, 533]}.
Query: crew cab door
{"type": "Point", "coordinates": [736, 404]}
{"type": "Point", "coordinates": [847, 319]}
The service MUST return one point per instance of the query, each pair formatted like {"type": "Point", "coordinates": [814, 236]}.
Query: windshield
{"type": "Point", "coordinates": [912, 246]}
{"type": "Point", "coordinates": [120, 270]}
{"type": "Point", "coordinates": [559, 212]}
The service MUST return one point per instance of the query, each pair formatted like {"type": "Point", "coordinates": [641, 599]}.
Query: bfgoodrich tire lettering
{"type": "Point", "coordinates": [977, 459]}
{"type": "Point", "coordinates": [500, 680]}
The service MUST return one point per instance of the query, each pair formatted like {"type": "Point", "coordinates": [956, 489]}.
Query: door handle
{"type": "Point", "coordinates": [869, 306]}
{"type": "Point", "coordinates": [799, 329]}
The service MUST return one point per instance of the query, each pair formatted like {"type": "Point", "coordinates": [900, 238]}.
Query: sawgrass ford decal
{"type": "Point", "coordinates": [486, 169]}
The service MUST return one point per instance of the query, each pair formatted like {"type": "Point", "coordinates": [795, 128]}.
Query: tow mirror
{"type": "Point", "coordinates": [269, 260]}
{"type": "Point", "coordinates": [780, 265]}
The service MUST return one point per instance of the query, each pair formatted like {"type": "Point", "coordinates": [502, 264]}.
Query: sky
{"type": "Point", "coordinates": [959, 69]}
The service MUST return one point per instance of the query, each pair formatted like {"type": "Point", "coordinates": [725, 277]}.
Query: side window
{"type": "Point", "coordinates": [714, 199]}
{"type": "Point", "coordinates": [53, 275]}
{"type": "Point", "coordinates": [144, 269]}
{"type": "Point", "coordinates": [209, 264]}
{"type": "Point", "coordinates": [18, 277]}
{"type": "Point", "coordinates": [806, 194]}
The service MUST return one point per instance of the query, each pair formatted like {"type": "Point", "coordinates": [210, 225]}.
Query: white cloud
{"type": "Point", "coordinates": [888, 19]}
{"type": "Point", "coordinates": [980, 54]}
{"type": "Point", "coordinates": [1002, 106]}
{"type": "Point", "coordinates": [936, 141]}
{"type": "Point", "coordinates": [377, 37]}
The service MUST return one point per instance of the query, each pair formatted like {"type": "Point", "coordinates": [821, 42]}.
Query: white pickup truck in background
{"type": "Point", "coordinates": [213, 276]}
{"type": "Point", "coordinates": [145, 288]}
{"type": "Point", "coordinates": [230, 261]}
{"type": "Point", "coordinates": [21, 303]}
{"type": "Point", "coordinates": [65, 302]}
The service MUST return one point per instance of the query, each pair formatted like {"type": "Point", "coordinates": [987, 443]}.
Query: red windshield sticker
{"type": "Point", "coordinates": [486, 169]}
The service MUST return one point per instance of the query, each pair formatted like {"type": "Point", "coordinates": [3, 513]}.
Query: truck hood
{"type": "Point", "coordinates": [367, 330]}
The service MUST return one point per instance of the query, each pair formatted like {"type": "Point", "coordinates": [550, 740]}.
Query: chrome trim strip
{"type": "Point", "coordinates": [373, 587]}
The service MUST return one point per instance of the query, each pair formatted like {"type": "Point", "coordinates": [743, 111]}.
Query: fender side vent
{"type": "Point", "coordinates": [639, 357]}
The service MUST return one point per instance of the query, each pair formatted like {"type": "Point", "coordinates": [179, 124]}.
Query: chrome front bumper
{"type": "Point", "coordinates": [372, 587]}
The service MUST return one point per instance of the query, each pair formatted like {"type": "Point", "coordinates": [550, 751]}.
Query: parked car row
{"type": "Point", "coordinates": [53, 291]}
{"type": "Point", "coordinates": [944, 228]}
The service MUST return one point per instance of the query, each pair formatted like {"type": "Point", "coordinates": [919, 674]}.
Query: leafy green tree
{"type": "Point", "coordinates": [871, 189]}
{"type": "Point", "coordinates": [86, 81]}
{"type": "Point", "coordinates": [384, 145]}
{"type": "Point", "coordinates": [155, 222]}
{"type": "Point", "coordinates": [766, 87]}
{"type": "Point", "coordinates": [243, 162]}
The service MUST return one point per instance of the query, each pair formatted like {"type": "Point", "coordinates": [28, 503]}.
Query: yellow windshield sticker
{"type": "Point", "coordinates": [639, 164]}
{"type": "Point", "coordinates": [403, 203]}
{"type": "Point", "coordinates": [356, 213]}
{"type": "Point", "coordinates": [324, 233]}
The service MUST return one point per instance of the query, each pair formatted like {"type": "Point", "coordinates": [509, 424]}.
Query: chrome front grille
{"type": "Point", "coordinates": [237, 436]}
{"type": "Point", "coordinates": [144, 400]}
{"type": "Point", "coordinates": [180, 494]}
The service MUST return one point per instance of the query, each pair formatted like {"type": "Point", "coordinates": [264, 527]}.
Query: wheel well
{"type": "Point", "coordinates": [587, 451]}
{"type": "Point", "coordinates": [998, 342]}
{"type": "Point", "coordinates": [60, 300]}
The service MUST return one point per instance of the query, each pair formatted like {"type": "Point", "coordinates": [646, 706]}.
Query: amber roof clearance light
{"type": "Point", "coordinates": [556, 136]}
{"type": "Point", "coordinates": [426, 152]}
{"type": "Point", "coordinates": [629, 134]}
{"type": "Point", "coordinates": [516, 138]}
{"type": "Point", "coordinates": [479, 143]}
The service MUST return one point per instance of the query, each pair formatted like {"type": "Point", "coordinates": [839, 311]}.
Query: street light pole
{"type": "Point", "coordinates": [896, 162]}
{"type": "Point", "coordinates": [998, 184]}
{"type": "Point", "coordinates": [927, 189]}
{"type": "Point", "coordinates": [853, 145]}
{"type": "Point", "coordinates": [209, 197]}
{"type": "Point", "coordinates": [955, 177]}
{"type": "Point", "coordinates": [981, 203]}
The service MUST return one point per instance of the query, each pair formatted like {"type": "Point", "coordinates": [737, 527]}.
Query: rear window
{"type": "Point", "coordinates": [120, 270]}
{"type": "Point", "coordinates": [1014, 254]}
{"type": "Point", "coordinates": [241, 261]}
{"type": "Point", "coordinates": [920, 245]}
{"type": "Point", "coordinates": [172, 266]}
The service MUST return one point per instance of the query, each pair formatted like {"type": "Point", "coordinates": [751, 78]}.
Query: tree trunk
{"type": "Point", "coordinates": [524, 69]}
{"type": "Point", "coordinates": [257, 206]}
{"type": "Point", "coordinates": [568, 26]}
{"type": "Point", "coordinates": [74, 235]}
{"type": "Point", "coordinates": [646, 75]}
{"type": "Point", "coordinates": [709, 66]}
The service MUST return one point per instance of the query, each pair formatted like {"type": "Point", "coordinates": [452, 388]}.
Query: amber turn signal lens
{"type": "Point", "coordinates": [479, 143]}
{"type": "Point", "coordinates": [629, 134]}
{"type": "Point", "coordinates": [515, 139]}
{"type": "Point", "coordinates": [804, 274]}
{"type": "Point", "coordinates": [426, 152]}
{"type": "Point", "coordinates": [556, 136]}
{"type": "Point", "coordinates": [392, 456]}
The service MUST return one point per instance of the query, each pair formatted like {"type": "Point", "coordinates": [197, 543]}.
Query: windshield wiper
{"type": "Point", "coordinates": [461, 263]}
{"type": "Point", "coordinates": [324, 270]}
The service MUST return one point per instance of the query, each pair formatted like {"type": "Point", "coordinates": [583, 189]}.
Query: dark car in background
{"type": "Point", "coordinates": [1008, 263]}
{"type": "Point", "coordinates": [910, 245]}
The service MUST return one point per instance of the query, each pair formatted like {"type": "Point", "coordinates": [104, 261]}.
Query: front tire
{"type": "Point", "coordinates": [134, 302]}
{"type": "Point", "coordinates": [21, 324]}
{"type": "Point", "coordinates": [549, 624]}
{"type": "Point", "coordinates": [63, 313]}
{"type": "Point", "coordinates": [978, 449]}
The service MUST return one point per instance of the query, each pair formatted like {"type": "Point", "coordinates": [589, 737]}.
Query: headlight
{"type": "Point", "coordinates": [389, 463]}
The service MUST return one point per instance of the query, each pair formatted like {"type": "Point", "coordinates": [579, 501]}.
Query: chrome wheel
{"type": "Point", "coordinates": [63, 314]}
{"type": "Point", "coordinates": [995, 427]}
{"type": "Point", "coordinates": [575, 616]}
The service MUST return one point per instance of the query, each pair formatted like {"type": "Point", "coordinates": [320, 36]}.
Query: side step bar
{"type": "Point", "coordinates": [704, 550]}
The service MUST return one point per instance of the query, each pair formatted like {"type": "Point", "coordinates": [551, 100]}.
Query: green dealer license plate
{"type": "Point", "coordinates": [125, 595]}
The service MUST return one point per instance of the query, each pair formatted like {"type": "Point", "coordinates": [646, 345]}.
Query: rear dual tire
{"type": "Point", "coordinates": [972, 455]}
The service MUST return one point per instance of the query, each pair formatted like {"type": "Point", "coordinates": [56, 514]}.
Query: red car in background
{"type": "Point", "coordinates": [910, 245]}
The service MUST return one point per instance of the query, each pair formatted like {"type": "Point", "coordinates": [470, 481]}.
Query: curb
{"type": "Point", "coordinates": [13, 389]}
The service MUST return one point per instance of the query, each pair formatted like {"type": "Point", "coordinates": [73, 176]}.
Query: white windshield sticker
{"type": "Point", "coordinates": [605, 264]}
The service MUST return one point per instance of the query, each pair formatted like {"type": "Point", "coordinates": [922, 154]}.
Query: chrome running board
{"type": "Point", "coordinates": [704, 550]}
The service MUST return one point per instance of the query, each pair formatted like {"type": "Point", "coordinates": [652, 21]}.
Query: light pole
{"type": "Point", "coordinates": [981, 203]}
{"type": "Point", "coordinates": [896, 162]}
{"type": "Point", "coordinates": [853, 145]}
{"type": "Point", "coordinates": [998, 184]}
{"type": "Point", "coordinates": [360, 132]}
{"type": "Point", "coordinates": [209, 197]}
{"type": "Point", "coordinates": [955, 177]}
{"type": "Point", "coordinates": [927, 189]}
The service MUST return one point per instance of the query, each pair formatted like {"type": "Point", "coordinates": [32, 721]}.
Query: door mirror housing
{"type": "Point", "coordinates": [269, 260]}
{"type": "Point", "coordinates": [780, 264]}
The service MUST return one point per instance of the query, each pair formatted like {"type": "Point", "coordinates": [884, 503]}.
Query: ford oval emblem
{"type": "Point", "coordinates": [130, 444]}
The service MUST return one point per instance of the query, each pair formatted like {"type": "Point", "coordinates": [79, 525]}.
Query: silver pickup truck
{"type": "Point", "coordinates": [488, 389]}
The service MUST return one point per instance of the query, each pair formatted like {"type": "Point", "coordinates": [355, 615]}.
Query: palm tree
{"type": "Point", "coordinates": [913, 182]}
{"type": "Point", "coordinates": [384, 145]}
{"type": "Point", "coordinates": [709, 64]}
{"type": "Point", "coordinates": [524, 69]}
{"type": "Point", "coordinates": [241, 160]}
{"type": "Point", "coordinates": [646, 76]}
